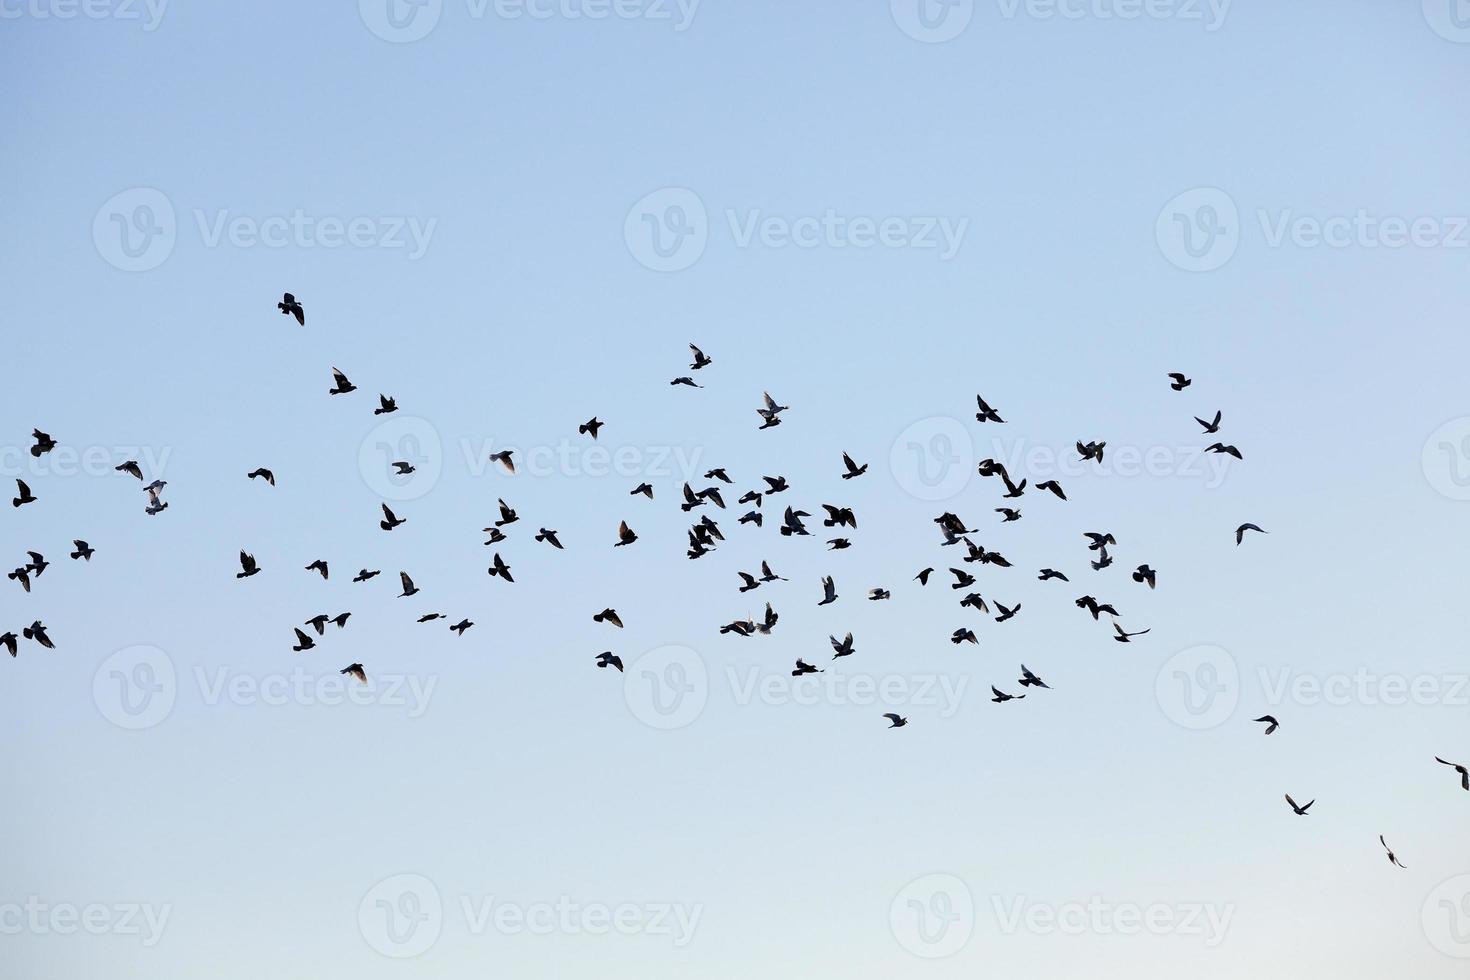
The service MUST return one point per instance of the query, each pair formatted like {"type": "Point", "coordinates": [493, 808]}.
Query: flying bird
{"type": "Point", "coordinates": [1240, 531]}
{"type": "Point", "coordinates": [1054, 487]}
{"type": "Point", "coordinates": [1212, 426]}
{"type": "Point", "coordinates": [248, 567]}
{"type": "Point", "coordinates": [363, 574]}
{"type": "Point", "coordinates": [340, 384]}
{"type": "Point", "coordinates": [923, 577]}
{"type": "Point", "coordinates": [1300, 811]}
{"type": "Point", "coordinates": [355, 670]}
{"type": "Point", "coordinates": [550, 538]}
{"type": "Point", "coordinates": [290, 306]}
{"type": "Point", "coordinates": [390, 520]}
{"type": "Point", "coordinates": [84, 550]}
{"type": "Point", "coordinates": [853, 469]}
{"type": "Point", "coordinates": [625, 534]}
{"type": "Point", "coordinates": [829, 591]}
{"type": "Point", "coordinates": [1464, 772]}
{"type": "Point", "coordinates": [1220, 447]}
{"type": "Point", "coordinates": [1271, 723]}
{"type": "Point", "coordinates": [876, 595]}
{"type": "Point", "coordinates": [8, 640]}
{"type": "Point", "coordinates": [963, 636]}
{"type": "Point", "coordinates": [644, 489]}
{"type": "Point", "coordinates": [986, 413]}
{"type": "Point", "coordinates": [895, 721]}
{"type": "Point", "coordinates": [500, 568]}
{"type": "Point", "coordinates": [1178, 381]}
{"type": "Point", "coordinates": [320, 567]}
{"type": "Point", "coordinates": [504, 459]}
{"type": "Point", "coordinates": [130, 467]}
{"type": "Point", "coordinates": [700, 360]}
{"type": "Point", "coordinates": [590, 427]}
{"type": "Point", "coordinates": [767, 575]}
{"type": "Point", "coordinates": [608, 616]}
{"type": "Point", "coordinates": [44, 443]}
{"type": "Point", "coordinates": [461, 626]}
{"type": "Point", "coordinates": [37, 632]}
{"type": "Point", "coordinates": [843, 648]}
{"type": "Point", "coordinates": [303, 642]}
{"type": "Point", "coordinates": [791, 523]}
{"type": "Point", "coordinates": [1123, 635]}
{"type": "Point", "coordinates": [1392, 857]}
{"type": "Point", "coordinates": [386, 405]}
{"type": "Point", "coordinates": [1145, 574]}
{"type": "Point", "coordinates": [686, 381]}
{"type": "Point", "coordinates": [262, 473]}
{"type": "Point", "coordinates": [1028, 679]}
{"type": "Point", "coordinates": [1001, 697]}
{"type": "Point", "coordinates": [23, 494]}
{"type": "Point", "coordinates": [802, 667]}
{"type": "Point", "coordinates": [408, 587]}
{"type": "Point", "coordinates": [1047, 574]}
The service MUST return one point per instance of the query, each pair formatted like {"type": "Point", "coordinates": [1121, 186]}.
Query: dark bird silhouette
{"type": "Point", "coordinates": [386, 405]}
{"type": "Point", "coordinates": [1145, 574]}
{"type": "Point", "coordinates": [430, 617]}
{"type": "Point", "coordinates": [155, 506]}
{"type": "Point", "coordinates": [1123, 635]}
{"type": "Point", "coordinates": [975, 601]}
{"type": "Point", "coordinates": [962, 579]}
{"type": "Point", "coordinates": [644, 489]}
{"type": "Point", "coordinates": [44, 443]}
{"type": "Point", "coordinates": [320, 567]}
{"type": "Point", "coordinates": [23, 494]}
{"type": "Point", "coordinates": [38, 563]}
{"type": "Point", "coordinates": [1220, 447]}
{"type": "Point", "coordinates": [791, 523]}
{"type": "Point", "coordinates": [853, 469]}
{"type": "Point", "coordinates": [130, 467]}
{"type": "Point", "coordinates": [771, 411]}
{"type": "Point", "coordinates": [1464, 772]}
{"type": "Point", "coordinates": [289, 306]}
{"type": "Point", "coordinates": [550, 538]}
{"type": "Point", "coordinates": [590, 427]}
{"type": "Point", "coordinates": [262, 473]}
{"type": "Point", "coordinates": [355, 670]}
{"type": "Point", "coordinates": [1006, 612]}
{"type": "Point", "coordinates": [748, 580]}
{"type": "Point", "coordinates": [319, 623]}
{"type": "Point", "coordinates": [1000, 697]}
{"type": "Point", "coordinates": [1240, 531]}
{"type": "Point", "coordinates": [767, 575]}
{"type": "Point", "coordinates": [752, 517]}
{"type": "Point", "coordinates": [37, 632]}
{"type": "Point", "coordinates": [408, 587]}
{"type": "Point", "coordinates": [363, 574]}
{"type": "Point", "coordinates": [741, 627]}
{"type": "Point", "coordinates": [1210, 427]}
{"type": "Point", "coordinates": [776, 484]}
{"type": "Point", "coordinates": [248, 567]}
{"type": "Point", "coordinates": [1392, 857]}
{"type": "Point", "coordinates": [1099, 541]}
{"type": "Point", "coordinates": [8, 640]}
{"type": "Point", "coordinates": [500, 568]}
{"type": "Point", "coordinates": [341, 619]}
{"type": "Point", "coordinates": [963, 635]}
{"type": "Point", "coordinates": [802, 667]}
{"type": "Point", "coordinates": [718, 473]}
{"type": "Point", "coordinates": [625, 534]}
{"type": "Point", "coordinates": [1093, 606]}
{"type": "Point", "coordinates": [700, 360]}
{"type": "Point", "coordinates": [1028, 679]}
{"type": "Point", "coordinates": [713, 493]}
{"type": "Point", "coordinates": [691, 499]}
{"type": "Point", "coordinates": [1300, 811]}
{"type": "Point", "coordinates": [1054, 487]}
{"type": "Point", "coordinates": [923, 577]}
{"type": "Point", "coordinates": [838, 544]}
{"type": "Point", "coordinates": [390, 520]}
{"type": "Point", "coordinates": [986, 413]}
{"type": "Point", "coordinates": [496, 535]}
{"type": "Point", "coordinates": [340, 384]}
{"type": "Point", "coordinates": [401, 468]}
{"type": "Point", "coordinates": [843, 648]}
{"type": "Point", "coordinates": [507, 514]}
{"type": "Point", "coordinates": [839, 517]}
{"type": "Point", "coordinates": [504, 459]}
{"type": "Point", "coordinates": [1048, 574]}
{"type": "Point", "coordinates": [1010, 514]}
{"type": "Point", "coordinates": [84, 550]}
{"type": "Point", "coordinates": [829, 591]}
{"type": "Point", "coordinates": [686, 381]}
{"type": "Point", "coordinates": [21, 575]}
{"type": "Point", "coordinates": [1271, 723]}
{"type": "Point", "coordinates": [876, 595]}
{"type": "Point", "coordinates": [609, 659]}
{"type": "Point", "coordinates": [303, 642]}
{"type": "Point", "coordinates": [461, 626]}
{"type": "Point", "coordinates": [1091, 450]}
{"type": "Point", "coordinates": [767, 623]}
{"type": "Point", "coordinates": [608, 616]}
{"type": "Point", "coordinates": [895, 721]}
{"type": "Point", "coordinates": [1178, 381]}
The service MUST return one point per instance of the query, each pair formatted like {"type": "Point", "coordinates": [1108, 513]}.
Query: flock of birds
{"type": "Point", "coordinates": [705, 535]}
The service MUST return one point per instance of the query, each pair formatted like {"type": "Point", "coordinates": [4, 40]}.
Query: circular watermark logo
{"type": "Point", "coordinates": [136, 687]}
{"type": "Point", "coordinates": [1199, 230]}
{"type": "Point", "coordinates": [135, 230]}
{"type": "Point", "coordinates": [667, 230]}
{"type": "Point", "coordinates": [667, 687]}
{"type": "Point", "coordinates": [401, 916]}
{"type": "Point", "coordinates": [1446, 459]}
{"type": "Point", "coordinates": [933, 459]}
{"type": "Point", "coordinates": [400, 21]}
{"type": "Point", "coordinates": [1199, 687]}
{"type": "Point", "coordinates": [401, 458]}
{"type": "Point", "coordinates": [1446, 917]}
{"type": "Point", "coordinates": [1450, 19]}
{"type": "Point", "coordinates": [933, 916]}
{"type": "Point", "coordinates": [932, 21]}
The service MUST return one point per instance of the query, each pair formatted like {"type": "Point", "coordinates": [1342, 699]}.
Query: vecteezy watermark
{"type": "Point", "coordinates": [138, 687]}
{"type": "Point", "coordinates": [404, 915]}
{"type": "Point", "coordinates": [404, 21]}
{"type": "Point", "coordinates": [1450, 19]}
{"type": "Point", "coordinates": [40, 918]}
{"type": "Point", "coordinates": [69, 461]}
{"type": "Point", "coordinates": [932, 21]}
{"type": "Point", "coordinates": [147, 12]}
{"type": "Point", "coordinates": [1201, 229]}
{"type": "Point", "coordinates": [137, 229]}
{"type": "Point", "coordinates": [1445, 917]}
{"type": "Point", "coordinates": [401, 458]}
{"type": "Point", "coordinates": [933, 459]}
{"type": "Point", "coordinates": [933, 916]}
{"type": "Point", "coordinates": [1200, 687]}
{"type": "Point", "coordinates": [667, 687]}
{"type": "Point", "coordinates": [1098, 916]}
{"type": "Point", "coordinates": [942, 692]}
{"type": "Point", "coordinates": [669, 229]}
{"type": "Point", "coordinates": [1209, 13]}
{"type": "Point", "coordinates": [1446, 459]}
{"type": "Point", "coordinates": [588, 459]}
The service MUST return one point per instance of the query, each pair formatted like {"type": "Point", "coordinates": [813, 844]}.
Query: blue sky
{"type": "Point", "coordinates": [513, 216]}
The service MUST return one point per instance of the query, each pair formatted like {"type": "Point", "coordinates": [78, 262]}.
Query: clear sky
{"type": "Point", "coordinates": [512, 216]}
